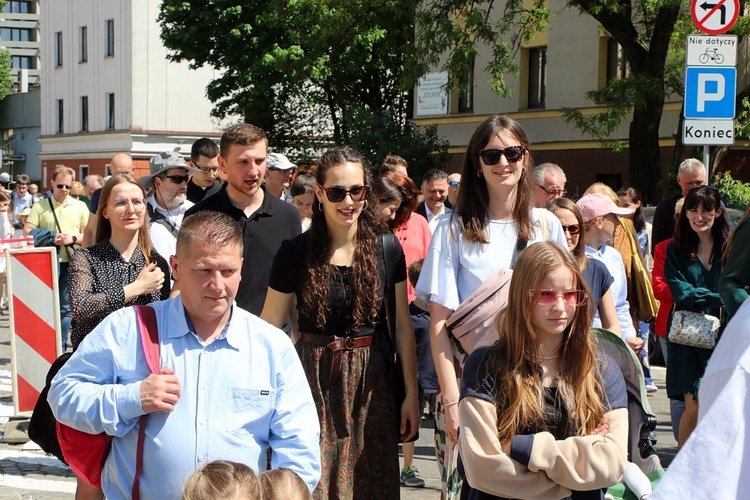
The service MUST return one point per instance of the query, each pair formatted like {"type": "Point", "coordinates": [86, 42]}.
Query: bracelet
{"type": "Point", "coordinates": [448, 405]}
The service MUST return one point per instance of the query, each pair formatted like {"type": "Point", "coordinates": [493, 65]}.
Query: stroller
{"type": "Point", "coordinates": [642, 421]}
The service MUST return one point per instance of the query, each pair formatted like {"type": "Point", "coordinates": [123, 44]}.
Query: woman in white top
{"type": "Point", "coordinates": [496, 200]}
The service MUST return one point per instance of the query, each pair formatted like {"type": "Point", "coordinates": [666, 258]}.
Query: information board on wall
{"type": "Point", "coordinates": [432, 97]}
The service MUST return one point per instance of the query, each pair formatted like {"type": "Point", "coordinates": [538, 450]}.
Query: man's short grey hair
{"type": "Point", "coordinates": [691, 165]}
{"type": "Point", "coordinates": [540, 171]}
{"type": "Point", "coordinates": [435, 174]}
{"type": "Point", "coordinates": [91, 179]}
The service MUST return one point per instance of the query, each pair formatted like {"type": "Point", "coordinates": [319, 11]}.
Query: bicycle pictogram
{"type": "Point", "coordinates": [712, 54]}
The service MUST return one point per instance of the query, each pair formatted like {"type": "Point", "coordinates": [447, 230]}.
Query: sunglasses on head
{"type": "Point", "coordinates": [548, 296]}
{"type": "Point", "coordinates": [572, 229]}
{"type": "Point", "coordinates": [63, 186]}
{"type": "Point", "coordinates": [705, 186]}
{"type": "Point", "coordinates": [492, 156]}
{"type": "Point", "coordinates": [336, 194]}
{"type": "Point", "coordinates": [177, 179]}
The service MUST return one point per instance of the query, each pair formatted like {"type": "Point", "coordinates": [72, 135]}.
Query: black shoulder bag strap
{"type": "Point", "coordinates": [389, 288]}
{"type": "Point", "coordinates": [520, 246]}
{"type": "Point", "coordinates": [52, 207]}
{"type": "Point", "coordinates": [159, 218]}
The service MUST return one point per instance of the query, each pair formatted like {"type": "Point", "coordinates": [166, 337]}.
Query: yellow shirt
{"type": "Point", "coordinates": [72, 216]}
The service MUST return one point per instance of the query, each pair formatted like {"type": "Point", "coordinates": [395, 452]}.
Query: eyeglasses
{"type": "Point", "coordinates": [492, 156]}
{"type": "Point", "coordinates": [177, 179]}
{"type": "Point", "coordinates": [209, 170]}
{"type": "Point", "coordinates": [552, 192]}
{"type": "Point", "coordinates": [336, 194]}
{"type": "Point", "coordinates": [454, 183]}
{"type": "Point", "coordinates": [548, 296]}
{"type": "Point", "coordinates": [572, 229]}
{"type": "Point", "coordinates": [63, 186]}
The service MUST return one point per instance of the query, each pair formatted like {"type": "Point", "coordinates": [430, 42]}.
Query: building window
{"type": "Point", "coordinates": [109, 38]}
{"type": "Point", "coordinates": [19, 7]}
{"type": "Point", "coordinates": [83, 43]}
{"type": "Point", "coordinates": [83, 172]}
{"type": "Point", "coordinates": [617, 66]}
{"type": "Point", "coordinates": [23, 62]}
{"type": "Point", "coordinates": [17, 35]}
{"type": "Point", "coordinates": [60, 117]}
{"type": "Point", "coordinates": [84, 113]}
{"type": "Point", "coordinates": [58, 49]}
{"type": "Point", "coordinates": [110, 107]}
{"type": "Point", "coordinates": [537, 77]}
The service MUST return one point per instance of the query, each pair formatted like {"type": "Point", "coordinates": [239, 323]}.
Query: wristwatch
{"type": "Point", "coordinates": [75, 239]}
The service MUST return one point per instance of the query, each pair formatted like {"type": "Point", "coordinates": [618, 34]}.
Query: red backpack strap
{"type": "Point", "coordinates": [149, 333]}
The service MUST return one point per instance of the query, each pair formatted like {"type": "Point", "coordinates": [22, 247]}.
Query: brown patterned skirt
{"type": "Point", "coordinates": [358, 424]}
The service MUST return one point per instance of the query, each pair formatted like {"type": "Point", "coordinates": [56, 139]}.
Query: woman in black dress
{"type": "Point", "coordinates": [336, 272]}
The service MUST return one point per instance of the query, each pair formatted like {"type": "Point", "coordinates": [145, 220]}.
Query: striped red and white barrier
{"type": "Point", "coordinates": [34, 321]}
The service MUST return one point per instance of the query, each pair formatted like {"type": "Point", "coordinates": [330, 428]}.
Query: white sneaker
{"type": "Point", "coordinates": [651, 387]}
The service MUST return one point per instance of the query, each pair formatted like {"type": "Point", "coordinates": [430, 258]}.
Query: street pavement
{"type": "Point", "coordinates": [27, 473]}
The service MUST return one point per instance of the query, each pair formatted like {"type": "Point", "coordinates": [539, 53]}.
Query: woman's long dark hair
{"type": "Point", "coordinates": [639, 219]}
{"type": "Point", "coordinates": [730, 240]}
{"type": "Point", "coordinates": [395, 186]}
{"type": "Point", "coordinates": [685, 239]}
{"type": "Point", "coordinates": [474, 198]}
{"type": "Point", "coordinates": [365, 275]}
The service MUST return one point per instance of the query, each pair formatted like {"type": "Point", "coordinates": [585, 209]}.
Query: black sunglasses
{"type": "Point", "coordinates": [492, 156]}
{"type": "Point", "coordinates": [63, 186]}
{"type": "Point", "coordinates": [553, 192]}
{"type": "Point", "coordinates": [177, 179]}
{"type": "Point", "coordinates": [336, 194]}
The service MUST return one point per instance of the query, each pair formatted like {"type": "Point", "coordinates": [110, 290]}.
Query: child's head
{"type": "Point", "coordinates": [415, 269]}
{"type": "Point", "coordinates": [547, 296]}
{"type": "Point", "coordinates": [283, 484]}
{"type": "Point", "coordinates": [303, 194]}
{"type": "Point", "coordinates": [599, 218]}
{"type": "Point", "coordinates": [223, 479]}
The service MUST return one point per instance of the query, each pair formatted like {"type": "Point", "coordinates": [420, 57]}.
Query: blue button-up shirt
{"type": "Point", "coordinates": [613, 260]}
{"type": "Point", "coordinates": [241, 393]}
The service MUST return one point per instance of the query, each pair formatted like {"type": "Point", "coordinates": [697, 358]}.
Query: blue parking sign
{"type": "Point", "coordinates": [710, 93]}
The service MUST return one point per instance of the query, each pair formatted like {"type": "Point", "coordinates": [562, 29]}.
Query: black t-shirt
{"type": "Point", "coordinates": [289, 272]}
{"type": "Point", "coordinates": [196, 193]}
{"type": "Point", "coordinates": [265, 229]}
{"type": "Point", "coordinates": [598, 278]}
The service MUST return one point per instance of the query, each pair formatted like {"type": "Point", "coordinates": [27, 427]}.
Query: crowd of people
{"type": "Point", "coordinates": [283, 292]}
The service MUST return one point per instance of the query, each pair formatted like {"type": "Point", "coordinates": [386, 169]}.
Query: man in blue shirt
{"type": "Point", "coordinates": [230, 387]}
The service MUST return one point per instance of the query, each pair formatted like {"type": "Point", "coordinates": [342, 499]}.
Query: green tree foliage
{"type": "Point", "coordinates": [736, 194]}
{"type": "Point", "coordinates": [282, 62]}
{"type": "Point", "coordinates": [449, 31]}
{"type": "Point", "coordinates": [377, 136]}
{"type": "Point", "coordinates": [6, 79]}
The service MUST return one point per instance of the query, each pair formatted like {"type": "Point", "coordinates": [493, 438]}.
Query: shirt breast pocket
{"type": "Point", "coordinates": [248, 410]}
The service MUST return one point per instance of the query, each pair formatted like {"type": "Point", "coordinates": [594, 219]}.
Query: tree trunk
{"type": "Point", "coordinates": [645, 162]}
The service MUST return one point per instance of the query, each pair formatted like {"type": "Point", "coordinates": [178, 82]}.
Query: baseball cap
{"type": "Point", "coordinates": [279, 162]}
{"type": "Point", "coordinates": [597, 205]}
{"type": "Point", "coordinates": [162, 162]}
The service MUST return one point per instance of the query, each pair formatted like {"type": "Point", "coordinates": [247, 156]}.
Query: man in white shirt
{"type": "Point", "coordinates": [550, 181]}
{"type": "Point", "coordinates": [168, 203]}
{"type": "Point", "coordinates": [435, 192]}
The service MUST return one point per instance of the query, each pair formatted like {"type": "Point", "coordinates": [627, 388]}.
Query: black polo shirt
{"type": "Point", "coordinates": [274, 222]}
{"type": "Point", "coordinates": [196, 193]}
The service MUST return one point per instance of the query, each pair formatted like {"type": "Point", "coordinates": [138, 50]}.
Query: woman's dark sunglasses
{"type": "Point", "coordinates": [335, 194]}
{"type": "Point", "coordinates": [492, 156]}
{"type": "Point", "coordinates": [572, 229]}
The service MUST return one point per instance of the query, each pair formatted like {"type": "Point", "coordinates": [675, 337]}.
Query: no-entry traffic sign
{"type": "Point", "coordinates": [714, 16]}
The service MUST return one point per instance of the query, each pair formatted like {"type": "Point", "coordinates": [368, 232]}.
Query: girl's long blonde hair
{"type": "Point", "coordinates": [514, 359]}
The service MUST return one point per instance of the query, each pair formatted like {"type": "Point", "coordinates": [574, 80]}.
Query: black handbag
{"type": "Point", "coordinates": [394, 373]}
{"type": "Point", "coordinates": [43, 425]}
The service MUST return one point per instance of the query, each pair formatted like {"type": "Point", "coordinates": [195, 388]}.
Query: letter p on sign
{"type": "Point", "coordinates": [710, 92]}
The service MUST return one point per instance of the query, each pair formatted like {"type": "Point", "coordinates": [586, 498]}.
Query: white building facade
{"type": "Point", "coordinates": [109, 88]}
